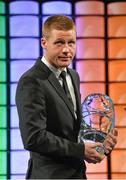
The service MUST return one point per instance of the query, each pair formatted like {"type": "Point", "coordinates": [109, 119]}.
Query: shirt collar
{"type": "Point", "coordinates": [52, 68]}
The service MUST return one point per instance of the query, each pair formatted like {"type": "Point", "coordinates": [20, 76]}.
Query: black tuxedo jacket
{"type": "Point", "coordinates": [48, 126]}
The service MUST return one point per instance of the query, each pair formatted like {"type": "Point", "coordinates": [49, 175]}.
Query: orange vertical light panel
{"type": "Point", "coordinates": [90, 60]}
{"type": "Point", "coordinates": [117, 82]}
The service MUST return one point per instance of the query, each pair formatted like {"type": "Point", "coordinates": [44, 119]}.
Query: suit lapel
{"type": "Point", "coordinates": [56, 85]}
{"type": "Point", "coordinates": [77, 93]}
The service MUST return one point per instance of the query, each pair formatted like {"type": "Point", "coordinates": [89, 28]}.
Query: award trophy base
{"type": "Point", "coordinates": [92, 136]}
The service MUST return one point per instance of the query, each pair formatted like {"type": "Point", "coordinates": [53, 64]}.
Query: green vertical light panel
{"type": "Point", "coordinates": [3, 94]}
{"type": "Point", "coordinates": [3, 117]}
{"type": "Point", "coordinates": [3, 98]}
{"type": "Point", "coordinates": [2, 71]}
{"type": "Point", "coordinates": [2, 48]}
{"type": "Point", "coordinates": [3, 164]}
{"type": "Point", "coordinates": [3, 143]}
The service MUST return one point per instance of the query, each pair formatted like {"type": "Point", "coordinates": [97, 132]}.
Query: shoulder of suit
{"type": "Point", "coordinates": [73, 71]}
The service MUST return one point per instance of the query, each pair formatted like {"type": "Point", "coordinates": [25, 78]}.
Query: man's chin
{"type": "Point", "coordinates": [65, 65]}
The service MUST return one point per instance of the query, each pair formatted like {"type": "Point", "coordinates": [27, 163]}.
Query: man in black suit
{"type": "Point", "coordinates": [49, 119]}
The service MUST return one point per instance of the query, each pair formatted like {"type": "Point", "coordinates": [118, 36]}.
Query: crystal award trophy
{"type": "Point", "coordinates": [97, 118]}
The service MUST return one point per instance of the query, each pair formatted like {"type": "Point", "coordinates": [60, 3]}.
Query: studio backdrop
{"type": "Point", "coordinates": [100, 61]}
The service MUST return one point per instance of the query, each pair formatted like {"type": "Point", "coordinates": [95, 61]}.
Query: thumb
{"type": "Point", "coordinates": [115, 132]}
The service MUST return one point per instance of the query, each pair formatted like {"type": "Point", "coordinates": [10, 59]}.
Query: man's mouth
{"type": "Point", "coordinates": [64, 58]}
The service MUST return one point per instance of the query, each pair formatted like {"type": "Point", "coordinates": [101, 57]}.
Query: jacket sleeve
{"type": "Point", "coordinates": [31, 106]}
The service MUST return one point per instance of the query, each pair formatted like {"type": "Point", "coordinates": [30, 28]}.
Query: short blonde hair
{"type": "Point", "coordinates": [58, 22]}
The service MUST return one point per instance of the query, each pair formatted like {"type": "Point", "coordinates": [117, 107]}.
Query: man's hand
{"type": "Point", "coordinates": [110, 141]}
{"type": "Point", "coordinates": [91, 155]}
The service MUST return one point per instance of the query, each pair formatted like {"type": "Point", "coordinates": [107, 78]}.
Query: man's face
{"type": "Point", "coordinates": [60, 47]}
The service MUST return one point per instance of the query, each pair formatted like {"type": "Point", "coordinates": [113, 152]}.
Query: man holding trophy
{"type": "Point", "coordinates": [58, 135]}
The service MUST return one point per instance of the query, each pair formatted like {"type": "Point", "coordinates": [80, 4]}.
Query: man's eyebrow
{"type": "Point", "coordinates": [59, 40]}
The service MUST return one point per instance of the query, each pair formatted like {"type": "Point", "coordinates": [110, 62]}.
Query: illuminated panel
{"type": "Point", "coordinates": [119, 175]}
{"type": "Point", "coordinates": [90, 70]}
{"type": "Point", "coordinates": [86, 24]}
{"type": "Point", "coordinates": [116, 8]}
{"type": "Point", "coordinates": [117, 70]}
{"type": "Point", "coordinates": [21, 177]}
{"type": "Point", "coordinates": [24, 50]}
{"type": "Point", "coordinates": [121, 138]}
{"type": "Point", "coordinates": [91, 48]}
{"type": "Point", "coordinates": [18, 68]}
{"type": "Point", "coordinates": [117, 91]}
{"type": "Point", "coordinates": [19, 157]}
{"type": "Point", "coordinates": [93, 176]}
{"type": "Point", "coordinates": [16, 137]}
{"type": "Point", "coordinates": [24, 24]}
{"type": "Point", "coordinates": [2, 48]}
{"type": "Point", "coordinates": [117, 48]}
{"type": "Point", "coordinates": [3, 164]}
{"type": "Point", "coordinates": [3, 98]}
{"type": "Point", "coordinates": [24, 7]}
{"type": "Point", "coordinates": [120, 166]}
{"type": "Point", "coordinates": [55, 7]}
{"type": "Point", "coordinates": [117, 26]}
{"type": "Point", "coordinates": [14, 117]}
{"type": "Point", "coordinates": [2, 71]}
{"type": "Point", "coordinates": [3, 94]}
{"type": "Point", "coordinates": [13, 93]}
{"type": "Point", "coordinates": [120, 115]}
{"type": "Point", "coordinates": [88, 88]}
{"type": "Point", "coordinates": [87, 7]}
{"type": "Point", "coordinates": [3, 143]}
{"type": "Point", "coordinates": [3, 117]}
{"type": "Point", "coordinates": [2, 23]}
{"type": "Point", "coordinates": [97, 168]}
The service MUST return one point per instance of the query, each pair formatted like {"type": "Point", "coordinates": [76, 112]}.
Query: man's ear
{"type": "Point", "coordinates": [43, 42]}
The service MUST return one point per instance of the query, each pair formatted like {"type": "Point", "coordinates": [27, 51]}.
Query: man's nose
{"type": "Point", "coordinates": [66, 48]}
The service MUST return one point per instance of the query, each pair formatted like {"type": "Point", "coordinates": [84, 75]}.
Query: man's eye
{"type": "Point", "coordinates": [59, 42]}
{"type": "Point", "coordinates": [71, 42]}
